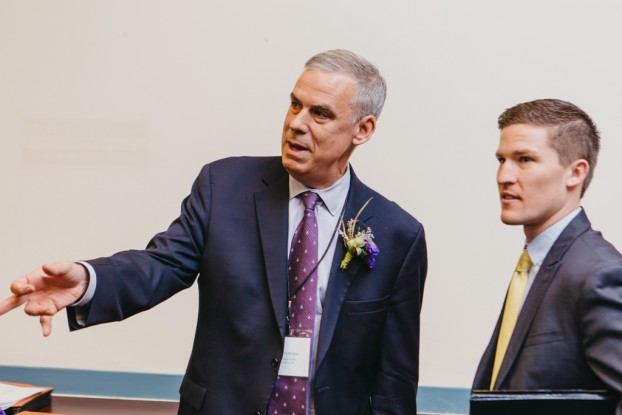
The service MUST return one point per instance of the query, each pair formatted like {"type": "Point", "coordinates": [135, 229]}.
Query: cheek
{"type": "Point", "coordinates": [546, 192]}
{"type": "Point", "coordinates": [331, 141]}
{"type": "Point", "coordinates": [550, 186]}
{"type": "Point", "coordinates": [338, 140]}
{"type": "Point", "coordinates": [320, 137]}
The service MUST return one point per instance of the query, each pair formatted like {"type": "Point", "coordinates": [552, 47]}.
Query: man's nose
{"type": "Point", "coordinates": [506, 173]}
{"type": "Point", "coordinates": [299, 122]}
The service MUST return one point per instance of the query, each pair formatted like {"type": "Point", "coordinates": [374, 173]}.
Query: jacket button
{"type": "Point", "coordinates": [275, 362]}
{"type": "Point", "coordinates": [257, 412]}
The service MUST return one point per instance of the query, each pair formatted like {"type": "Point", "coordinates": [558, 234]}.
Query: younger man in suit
{"type": "Point", "coordinates": [561, 326]}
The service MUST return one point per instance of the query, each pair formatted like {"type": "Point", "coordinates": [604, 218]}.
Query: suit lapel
{"type": "Point", "coordinates": [483, 374]}
{"type": "Point", "coordinates": [339, 280]}
{"type": "Point", "coordinates": [543, 279]}
{"type": "Point", "coordinates": [271, 207]}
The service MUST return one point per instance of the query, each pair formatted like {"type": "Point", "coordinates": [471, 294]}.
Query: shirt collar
{"type": "Point", "coordinates": [541, 244]}
{"type": "Point", "coordinates": [333, 197]}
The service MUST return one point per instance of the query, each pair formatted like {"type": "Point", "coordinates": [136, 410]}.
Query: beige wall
{"type": "Point", "coordinates": [108, 109]}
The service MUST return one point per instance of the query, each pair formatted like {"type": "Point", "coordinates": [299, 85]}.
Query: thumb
{"type": "Point", "coordinates": [57, 268]}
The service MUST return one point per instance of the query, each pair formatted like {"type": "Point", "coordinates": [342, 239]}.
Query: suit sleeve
{"type": "Point", "coordinates": [601, 323]}
{"type": "Point", "coordinates": [133, 281]}
{"type": "Point", "coordinates": [395, 390]}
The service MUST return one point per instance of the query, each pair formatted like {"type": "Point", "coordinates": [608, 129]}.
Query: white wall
{"type": "Point", "coordinates": [108, 109]}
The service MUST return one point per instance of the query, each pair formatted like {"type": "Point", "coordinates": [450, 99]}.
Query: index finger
{"type": "Point", "coordinates": [23, 285]}
{"type": "Point", "coordinates": [12, 302]}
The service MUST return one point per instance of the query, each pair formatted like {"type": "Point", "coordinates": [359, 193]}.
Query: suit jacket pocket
{"type": "Point", "coordinates": [544, 338]}
{"type": "Point", "coordinates": [192, 393]}
{"type": "Point", "coordinates": [365, 306]}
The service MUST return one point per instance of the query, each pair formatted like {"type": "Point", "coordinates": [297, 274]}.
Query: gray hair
{"type": "Point", "coordinates": [371, 89]}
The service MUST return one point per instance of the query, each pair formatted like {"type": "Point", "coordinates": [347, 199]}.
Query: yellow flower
{"type": "Point", "coordinates": [360, 244]}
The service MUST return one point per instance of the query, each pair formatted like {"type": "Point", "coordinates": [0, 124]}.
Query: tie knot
{"type": "Point", "coordinates": [524, 263]}
{"type": "Point", "coordinates": [310, 199]}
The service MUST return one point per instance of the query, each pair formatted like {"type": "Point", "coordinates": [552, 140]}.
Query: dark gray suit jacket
{"type": "Point", "coordinates": [232, 232]}
{"type": "Point", "coordinates": [569, 332]}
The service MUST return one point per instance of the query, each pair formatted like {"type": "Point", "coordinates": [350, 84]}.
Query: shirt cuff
{"type": "Point", "coordinates": [90, 289]}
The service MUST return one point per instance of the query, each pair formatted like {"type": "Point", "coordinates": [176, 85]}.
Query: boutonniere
{"type": "Point", "coordinates": [360, 244]}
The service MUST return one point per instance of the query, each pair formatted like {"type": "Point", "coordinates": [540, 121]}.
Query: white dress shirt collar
{"type": "Point", "coordinates": [541, 244]}
{"type": "Point", "coordinates": [333, 197]}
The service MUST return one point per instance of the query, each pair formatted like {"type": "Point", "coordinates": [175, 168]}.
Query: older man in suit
{"type": "Point", "coordinates": [344, 307]}
{"type": "Point", "coordinates": [561, 326]}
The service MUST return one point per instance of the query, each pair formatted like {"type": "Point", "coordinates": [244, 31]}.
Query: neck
{"type": "Point", "coordinates": [532, 231]}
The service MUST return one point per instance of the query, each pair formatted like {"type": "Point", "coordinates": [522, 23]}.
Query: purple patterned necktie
{"type": "Point", "coordinates": [290, 393]}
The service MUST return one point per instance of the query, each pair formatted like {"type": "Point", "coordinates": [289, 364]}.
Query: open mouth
{"type": "Point", "coordinates": [509, 196]}
{"type": "Point", "coordinates": [296, 146]}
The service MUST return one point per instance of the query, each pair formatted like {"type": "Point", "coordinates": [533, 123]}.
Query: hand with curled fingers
{"type": "Point", "coordinates": [47, 290]}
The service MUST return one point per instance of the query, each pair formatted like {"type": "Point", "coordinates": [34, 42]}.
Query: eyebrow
{"type": "Point", "coordinates": [519, 152]}
{"type": "Point", "coordinates": [327, 111]}
{"type": "Point", "coordinates": [324, 109]}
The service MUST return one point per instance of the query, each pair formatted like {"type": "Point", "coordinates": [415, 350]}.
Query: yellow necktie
{"type": "Point", "coordinates": [513, 302]}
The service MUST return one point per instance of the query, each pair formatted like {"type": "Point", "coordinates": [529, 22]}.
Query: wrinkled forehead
{"type": "Point", "coordinates": [323, 87]}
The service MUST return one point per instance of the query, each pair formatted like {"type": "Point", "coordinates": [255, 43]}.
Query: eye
{"type": "Point", "coordinates": [322, 113]}
{"type": "Point", "coordinates": [525, 159]}
{"type": "Point", "coordinates": [501, 160]}
{"type": "Point", "coordinates": [318, 113]}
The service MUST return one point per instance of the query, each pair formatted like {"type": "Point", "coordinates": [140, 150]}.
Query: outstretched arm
{"type": "Point", "coordinates": [47, 290]}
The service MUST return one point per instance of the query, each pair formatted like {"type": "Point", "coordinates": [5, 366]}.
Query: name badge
{"type": "Point", "coordinates": [296, 356]}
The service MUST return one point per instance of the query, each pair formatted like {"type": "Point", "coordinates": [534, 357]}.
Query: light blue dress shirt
{"type": "Point", "coordinates": [541, 245]}
{"type": "Point", "coordinates": [328, 215]}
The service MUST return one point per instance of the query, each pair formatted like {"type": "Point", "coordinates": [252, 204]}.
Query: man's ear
{"type": "Point", "coordinates": [578, 172]}
{"type": "Point", "coordinates": [365, 129]}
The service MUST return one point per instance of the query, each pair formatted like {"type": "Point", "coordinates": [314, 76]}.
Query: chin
{"type": "Point", "coordinates": [290, 165]}
{"type": "Point", "coordinates": [294, 169]}
{"type": "Point", "coordinates": [511, 219]}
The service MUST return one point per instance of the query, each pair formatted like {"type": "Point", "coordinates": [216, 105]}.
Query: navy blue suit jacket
{"type": "Point", "coordinates": [232, 233]}
{"type": "Point", "coordinates": [569, 332]}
